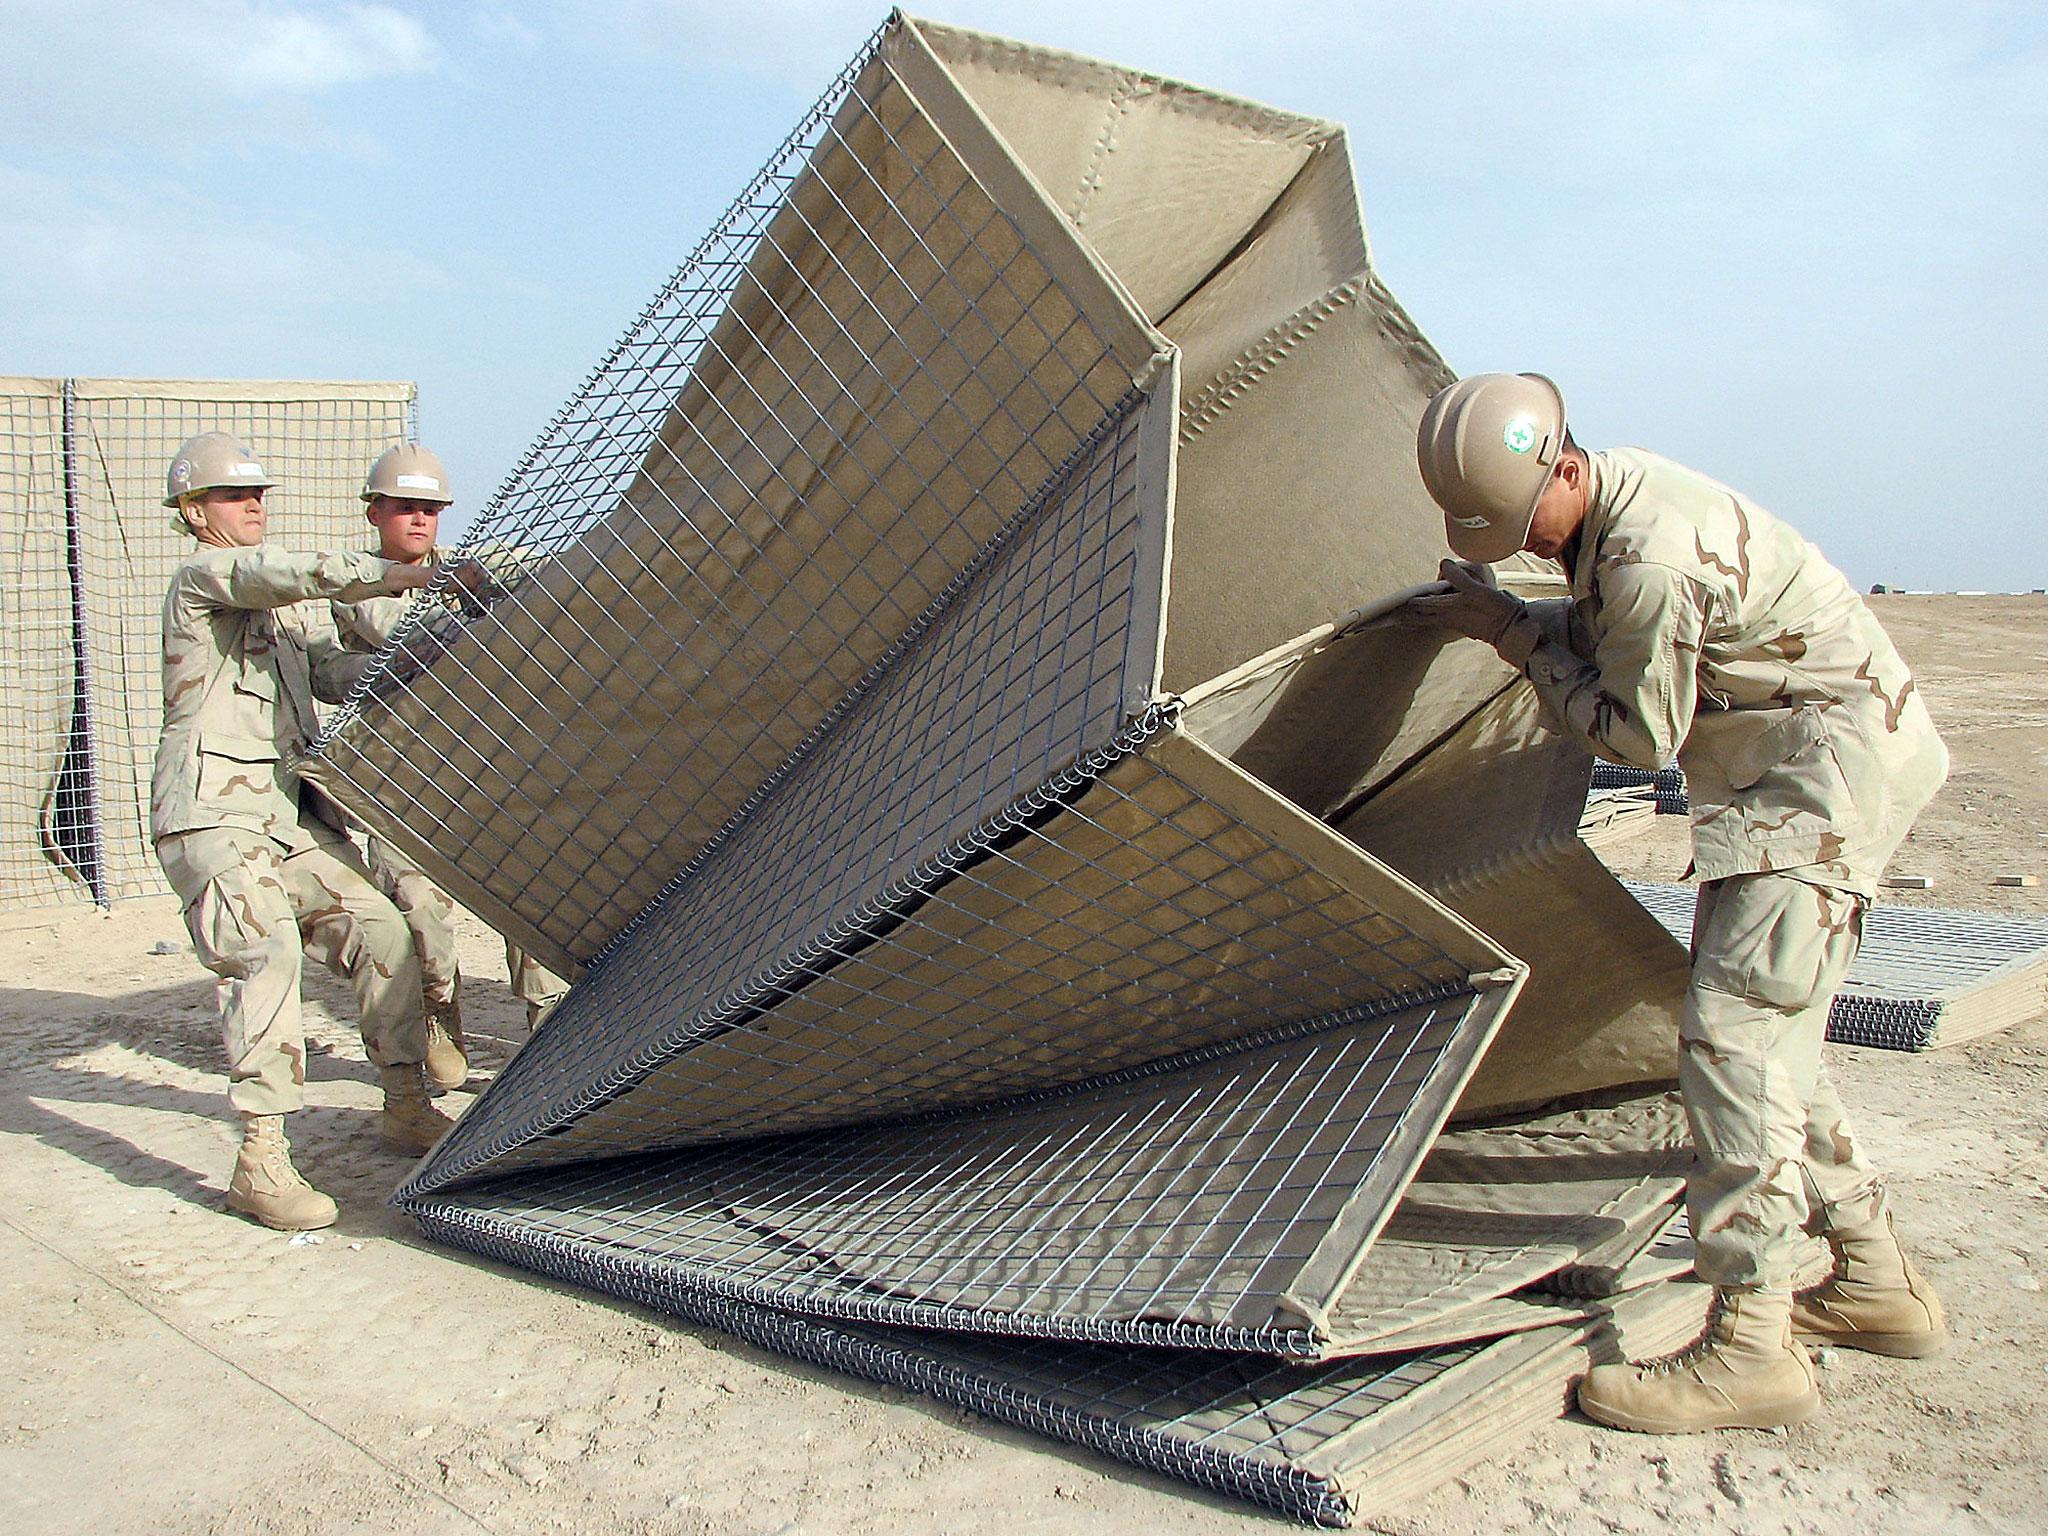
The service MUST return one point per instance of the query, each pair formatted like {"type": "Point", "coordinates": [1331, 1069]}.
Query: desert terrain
{"type": "Point", "coordinates": [168, 1367]}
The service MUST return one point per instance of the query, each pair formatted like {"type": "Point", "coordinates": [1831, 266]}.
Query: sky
{"type": "Point", "coordinates": [1801, 246]}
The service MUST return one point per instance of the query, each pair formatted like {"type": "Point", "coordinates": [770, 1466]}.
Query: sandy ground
{"type": "Point", "coordinates": [168, 1367]}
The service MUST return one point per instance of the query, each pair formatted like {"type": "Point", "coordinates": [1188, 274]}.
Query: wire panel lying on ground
{"type": "Point", "coordinates": [1003, 909]}
{"type": "Point", "coordinates": [1924, 976]}
{"type": "Point", "coordinates": [1323, 1444]}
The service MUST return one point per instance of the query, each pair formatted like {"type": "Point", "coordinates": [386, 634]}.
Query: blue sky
{"type": "Point", "coordinates": [1801, 246]}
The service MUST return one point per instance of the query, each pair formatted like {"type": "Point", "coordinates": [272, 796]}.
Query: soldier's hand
{"type": "Point", "coordinates": [1468, 603]}
{"type": "Point", "coordinates": [472, 586]}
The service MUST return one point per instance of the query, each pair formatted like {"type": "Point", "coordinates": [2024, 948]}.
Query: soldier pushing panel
{"type": "Point", "coordinates": [263, 868]}
{"type": "Point", "coordinates": [1702, 627]}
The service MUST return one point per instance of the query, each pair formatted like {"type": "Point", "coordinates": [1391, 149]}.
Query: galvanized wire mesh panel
{"type": "Point", "coordinates": [826, 418]}
{"type": "Point", "coordinates": [1922, 976]}
{"type": "Point", "coordinates": [1023, 664]}
{"type": "Point", "coordinates": [1147, 905]}
{"type": "Point", "coordinates": [317, 439]}
{"type": "Point", "coordinates": [1203, 1199]}
{"type": "Point", "coordinates": [1238, 1423]}
{"type": "Point", "coordinates": [1319, 1443]}
{"type": "Point", "coordinates": [47, 843]}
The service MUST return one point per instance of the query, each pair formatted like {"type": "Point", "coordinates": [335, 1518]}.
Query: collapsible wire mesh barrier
{"type": "Point", "coordinates": [1923, 977]}
{"type": "Point", "coordinates": [1322, 1443]}
{"type": "Point", "coordinates": [91, 551]}
{"type": "Point", "coordinates": [833, 716]}
{"type": "Point", "coordinates": [1197, 1201]}
{"type": "Point", "coordinates": [48, 849]}
{"type": "Point", "coordinates": [799, 451]}
{"type": "Point", "coordinates": [1667, 784]}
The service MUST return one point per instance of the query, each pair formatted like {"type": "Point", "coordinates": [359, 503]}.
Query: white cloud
{"type": "Point", "coordinates": [110, 75]}
{"type": "Point", "coordinates": [177, 263]}
{"type": "Point", "coordinates": [280, 49]}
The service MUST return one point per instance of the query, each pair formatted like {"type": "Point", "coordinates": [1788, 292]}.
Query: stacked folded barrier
{"type": "Point", "coordinates": [1924, 976]}
{"type": "Point", "coordinates": [1021, 953]}
{"type": "Point", "coordinates": [1667, 784]}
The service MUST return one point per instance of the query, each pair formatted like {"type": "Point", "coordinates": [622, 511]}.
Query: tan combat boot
{"type": "Point", "coordinates": [410, 1123]}
{"type": "Point", "coordinates": [1876, 1299]}
{"type": "Point", "coordinates": [267, 1187]}
{"type": "Point", "coordinates": [1744, 1372]}
{"type": "Point", "coordinates": [447, 1062]}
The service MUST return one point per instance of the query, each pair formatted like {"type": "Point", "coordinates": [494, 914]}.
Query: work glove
{"type": "Point", "coordinates": [1468, 602]}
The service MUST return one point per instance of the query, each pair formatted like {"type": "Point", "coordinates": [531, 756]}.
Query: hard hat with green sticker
{"type": "Point", "coordinates": [1519, 434]}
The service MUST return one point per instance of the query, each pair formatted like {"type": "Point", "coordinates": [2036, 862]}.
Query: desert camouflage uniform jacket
{"type": "Point", "coordinates": [366, 624]}
{"type": "Point", "coordinates": [240, 676]}
{"type": "Point", "coordinates": [1704, 628]}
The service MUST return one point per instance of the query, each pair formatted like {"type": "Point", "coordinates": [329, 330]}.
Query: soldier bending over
{"type": "Point", "coordinates": [1701, 627]}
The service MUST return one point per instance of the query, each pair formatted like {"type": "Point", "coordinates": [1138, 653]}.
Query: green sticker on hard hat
{"type": "Point", "coordinates": [1519, 435]}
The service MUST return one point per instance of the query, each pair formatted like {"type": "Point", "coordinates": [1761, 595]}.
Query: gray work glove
{"type": "Point", "coordinates": [1471, 604]}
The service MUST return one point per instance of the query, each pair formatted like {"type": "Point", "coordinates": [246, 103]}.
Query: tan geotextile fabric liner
{"type": "Point", "coordinates": [36, 707]}
{"type": "Point", "coordinates": [1488, 824]}
{"type": "Point", "coordinates": [1236, 229]}
{"type": "Point", "coordinates": [1428, 754]}
{"type": "Point", "coordinates": [1177, 905]}
{"type": "Point", "coordinates": [1498, 1208]}
{"type": "Point", "coordinates": [1469, 1412]}
{"type": "Point", "coordinates": [316, 438]}
{"type": "Point", "coordinates": [895, 378]}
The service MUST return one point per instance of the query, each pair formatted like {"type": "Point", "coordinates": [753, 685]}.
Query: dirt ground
{"type": "Point", "coordinates": [168, 1367]}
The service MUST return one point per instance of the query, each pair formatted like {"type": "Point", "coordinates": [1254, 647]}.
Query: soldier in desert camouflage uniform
{"type": "Point", "coordinates": [404, 495]}
{"type": "Point", "coordinates": [1701, 627]}
{"type": "Point", "coordinates": [260, 870]}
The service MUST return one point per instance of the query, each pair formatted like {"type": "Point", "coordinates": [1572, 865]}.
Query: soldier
{"type": "Point", "coordinates": [404, 495]}
{"type": "Point", "coordinates": [1700, 626]}
{"type": "Point", "coordinates": [260, 869]}
{"type": "Point", "coordinates": [533, 984]}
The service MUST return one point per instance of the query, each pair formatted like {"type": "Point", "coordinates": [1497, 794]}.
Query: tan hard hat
{"type": "Point", "coordinates": [1486, 447]}
{"type": "Point", "coordinates": [407, 473]}
{"type": "Point", "coordinates": [211, 459]}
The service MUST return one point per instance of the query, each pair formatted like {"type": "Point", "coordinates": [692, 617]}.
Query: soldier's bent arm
{"type": "Point", "coordinates": [334, 668]}
{"type": "Point", "coordinates": [266, 577]}
{"type": "Point", "coordinates": [1633, 701]}
{"type": "Point", "coordinates": [370, 624]}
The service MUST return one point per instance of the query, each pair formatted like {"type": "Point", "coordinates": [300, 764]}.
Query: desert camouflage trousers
{"type": "Point", "coordinates": [1776, 1156]}
{"type": "Point", "coordinates": [251, 910]}
{"type": "Point", "coordinates": [532, 983]}
{"type": "Point", "coordinates": [428, 911]}
{"type": "Point", "coordinates": [431, 916]}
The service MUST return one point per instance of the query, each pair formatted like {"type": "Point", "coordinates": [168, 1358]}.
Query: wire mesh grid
{"type": "Point", "coordinates": [48, 849]}
{"type": "Point", "coordinates": [1242, 1424]}
{"type": "Point", "coordinates": [818, 425]}
{"type": "Point", "coordinates": [1913, 965]}
{"type": "Point", "coordinates": [1024, 664]}
{"type": "Point", "coordinates": [1093, 926]}
{"type": "Point", "coordinates": [316, 440]}
{"type": "Point", "coordinates": [1189, 1200]}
